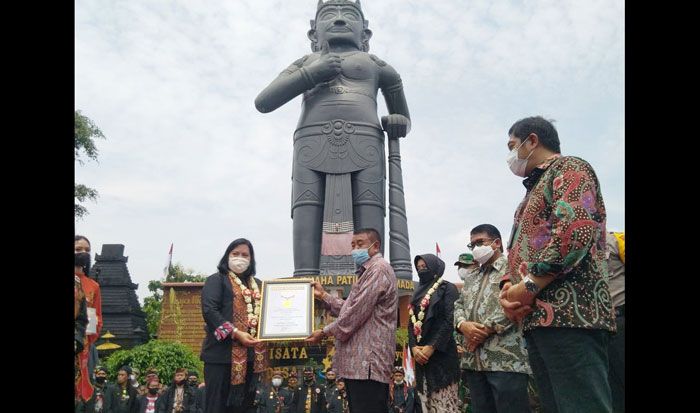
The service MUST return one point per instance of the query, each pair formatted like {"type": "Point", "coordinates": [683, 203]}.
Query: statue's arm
{"type": "Point", "coordinates": [289, 84]}
{"type": "Point", "coordinates": [392, 89]}
{"type": "Point", "coordinates": [398, 123]}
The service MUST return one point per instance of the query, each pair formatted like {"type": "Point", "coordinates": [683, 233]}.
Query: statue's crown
{"type": "Point", "coordinates": [356, 4]}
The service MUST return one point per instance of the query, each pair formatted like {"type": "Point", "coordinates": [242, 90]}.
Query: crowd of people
{"type": "Point", "coordinates": [537, 326]}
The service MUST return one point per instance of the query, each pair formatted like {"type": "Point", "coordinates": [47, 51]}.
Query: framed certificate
{"type": "Point", "coordinates": [287, 309]}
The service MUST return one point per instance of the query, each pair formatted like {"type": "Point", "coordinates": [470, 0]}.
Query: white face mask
{"type": "Point", "coordinates": [483, 253]}
{"type": "Point", "coordinates": [238, 264]}
{"type": "Point", "coordinates": [517, 165]}
{"type": "Point", "coordinates": [276, 382]}
{"type": "Point", "coordinates": [462, 272]}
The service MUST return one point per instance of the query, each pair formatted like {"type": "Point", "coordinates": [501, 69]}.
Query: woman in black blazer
{"type": "Point", "coordinates": [233, 358]}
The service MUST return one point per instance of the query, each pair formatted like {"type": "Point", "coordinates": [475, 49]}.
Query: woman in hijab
{"type": "Point", "coordinates": [233, 358]}
{"type": "Point", "coordinates": [430, 337]}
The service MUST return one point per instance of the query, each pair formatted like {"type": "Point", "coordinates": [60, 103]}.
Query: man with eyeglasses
{"type": "Point", "coordinates": [556, 283]}
{"type": "Point", "coordinates": [495, 365]}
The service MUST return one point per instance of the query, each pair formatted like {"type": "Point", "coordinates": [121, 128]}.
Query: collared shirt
{"type": "Point", "coordinates": [478, 301]}
{"type": "Point", "coordinates": [559, 228]}
{"type": "Point", "coordinates": [616, 269]}
{"type": "Point", "coordinates": [365, 328]}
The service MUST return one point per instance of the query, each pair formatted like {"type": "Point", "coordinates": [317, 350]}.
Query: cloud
{"type": "Point", "coordinates": [189, 160]}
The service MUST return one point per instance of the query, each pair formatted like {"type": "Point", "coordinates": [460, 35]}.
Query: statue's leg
{"type": "Point", "coordinates": [307, 215]}
{"type": "Point", "coordinates": [368, 199]}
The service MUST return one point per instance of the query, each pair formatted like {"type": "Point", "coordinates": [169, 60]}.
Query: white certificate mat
{"type": "Point", "coordinates": [287, 309]}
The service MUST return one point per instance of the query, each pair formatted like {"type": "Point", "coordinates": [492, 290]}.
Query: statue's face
{"type": "Point", "coordinates": [339, 24]}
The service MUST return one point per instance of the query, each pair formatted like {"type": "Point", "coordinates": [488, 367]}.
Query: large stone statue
{"type": "Point", "coordinates": [338, 177]}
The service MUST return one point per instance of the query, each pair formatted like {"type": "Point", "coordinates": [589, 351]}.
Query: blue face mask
{"type": "Point", "coordinates": [360, 256]}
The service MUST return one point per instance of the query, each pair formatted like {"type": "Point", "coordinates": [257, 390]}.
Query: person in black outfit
{"type": "Point", "coordinates": [124, 396]}
{"type": "Point", "coordinates": [401, 394]}
{"type": "Point", "coordinates": [179, 398]}
{"type": "Point", "coordinates": [338, 402]}
{"type": "Point", "coordinates": [152, 393]}
{"type": "Point", "coordinates": [310, 397]}
{"type": "Point", "coordinates": [228, 331]}
{"type": "Point", "coordinates": [430, 336]}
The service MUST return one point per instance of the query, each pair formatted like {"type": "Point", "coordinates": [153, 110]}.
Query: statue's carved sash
{"type": "Point", "coordinates": [338, 146]}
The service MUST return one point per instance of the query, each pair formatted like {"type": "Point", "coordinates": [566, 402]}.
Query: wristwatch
{"type": "Point", "coordinates": [530, 285]}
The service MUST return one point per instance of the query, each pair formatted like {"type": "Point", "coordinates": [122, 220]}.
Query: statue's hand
{"type": "Point", "coordinates": [326, 67]}
{"type": "Point", "coordinates": [396, 126]}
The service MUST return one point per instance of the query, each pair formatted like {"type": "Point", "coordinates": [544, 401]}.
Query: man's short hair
{"type": "Point", "coordinates": [181, 370]}
{"type": "Point", "coordinates": [542, 127]}
{"type": "Point", "coordinates": [490, 230]}
{"type": "Point", "coordinates": [372, 234]}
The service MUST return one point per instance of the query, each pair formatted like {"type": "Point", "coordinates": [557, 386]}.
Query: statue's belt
{"type": "Point", "coordinates": [339, 131]}
{"type": "Point", "coordinates": [338, 90]}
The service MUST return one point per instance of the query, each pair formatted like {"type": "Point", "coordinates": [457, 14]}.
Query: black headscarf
{"type": "Point", "coordinates": [434, 264]}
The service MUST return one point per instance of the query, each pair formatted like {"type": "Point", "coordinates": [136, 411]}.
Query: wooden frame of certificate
{"type": "Point", "coordinates": [287, 310]}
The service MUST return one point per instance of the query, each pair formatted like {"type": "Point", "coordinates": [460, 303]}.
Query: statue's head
{"type": "Point", "coordinates": [339, 21]}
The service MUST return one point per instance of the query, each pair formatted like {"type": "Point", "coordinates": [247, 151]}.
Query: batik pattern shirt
{"type": "Point", "coordinates": [559, 229]}
{"type": "Point", "coordinates": [365, 330]}
{"type": "Point", "coordinates": [478, 301]}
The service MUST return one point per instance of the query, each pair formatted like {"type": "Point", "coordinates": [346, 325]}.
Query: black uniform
{"type": "Point", "coordinates": [199, 396]}
{"type": "Point", "coordinates": [143, 402]}
{"type": "Point", "coordinates": [336, 402]}
{"type": "Point", "coordinates": [316, 396]}
{"type": "Point", "coordinates": [403, 398]}
{"type": "Point", "coordinates": [168, 399]}
{"type": "Point", "coordinates": [124, 400]}
{"type": "Point", "coordinates": [274, 400]}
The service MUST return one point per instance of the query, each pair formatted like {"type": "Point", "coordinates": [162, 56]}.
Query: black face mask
{"type": "Point", "coordinates": [193, 382]}
{"type": "Point", "coordinates": [425, 275]}
{"type": "Point", "coordinates": [100, 380]}
{"type": "Point", "coordinates": [308, 380]}
{"type": "Point", "coordinates": [330, 381]}
{"type": "Point", "coordinates": [152, 391]}
{"type": "Point", "coordinates": [180, 383]}
{"type": "Point", "coordinates": [82, 259]}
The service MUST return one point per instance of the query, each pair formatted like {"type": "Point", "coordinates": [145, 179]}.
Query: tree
{"type": "Point", "coordinates": [152, 305]}
{"type": "Point", "coordinates": [165, 356]}
{"type": "Point", "coordinates": [85, 133]}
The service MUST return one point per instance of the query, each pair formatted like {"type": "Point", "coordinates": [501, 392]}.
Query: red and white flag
{"type": "Point", "coordinates": [170, 260]}
{"type": "Point", "coordinates": [408, 366]}
{"type": "Point", "coordinates": [437, 249]}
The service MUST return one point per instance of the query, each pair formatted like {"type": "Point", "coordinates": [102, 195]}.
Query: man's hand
{"type": "Point", "coordinates": [319, 291]}
{"type": "Point", "coordinates": [326, 67]}
{"type": "Point", "coordinates": [460, 350]}
{"type": "Point", "coordinates": [245, 338]}
{"type": "Point", "coordinates": [315, 337]}
{"type": "Point", "coordinates": [474, 331]}
{"type": "Point", "coordinates": [518, 293]}
{"type": "Point", "coordinates": [514, 310]}
{"type": "Point", "coordinates": [396, 126]}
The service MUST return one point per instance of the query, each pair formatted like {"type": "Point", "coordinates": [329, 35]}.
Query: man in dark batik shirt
{"type": "Point", "coordinates": [556, 282]}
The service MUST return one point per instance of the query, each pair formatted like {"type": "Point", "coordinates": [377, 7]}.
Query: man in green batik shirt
{"type": "Point", "coordinates": [495, 362]}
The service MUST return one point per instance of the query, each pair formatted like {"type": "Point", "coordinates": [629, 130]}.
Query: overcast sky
{"type": "Point", "coordinates": [187, 159]}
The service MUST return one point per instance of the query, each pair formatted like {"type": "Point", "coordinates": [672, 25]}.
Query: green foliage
{"type": "Point", "coordinates": [152, 308]}
{"type": "Point", "coordinates": [401, 336]}
{"type": "Point", "coordinates": [85, 133]}
{"type": "Point", "coordinates": [165, 356]}
{"type": "Point", "coordinates": [177, 273]}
